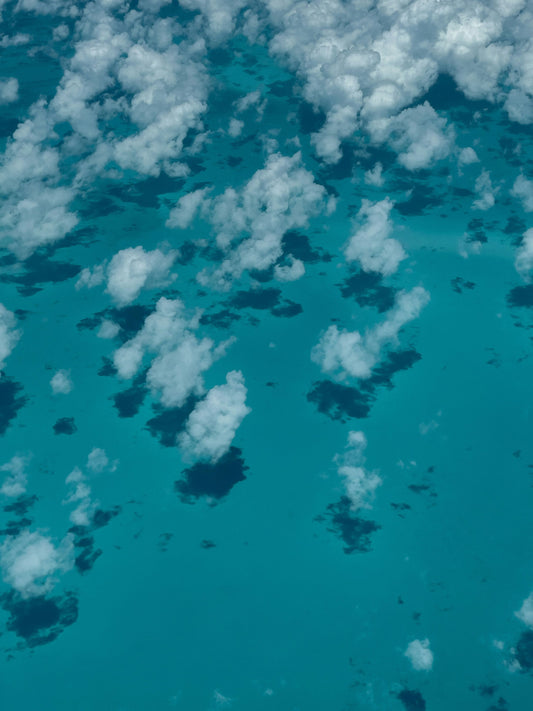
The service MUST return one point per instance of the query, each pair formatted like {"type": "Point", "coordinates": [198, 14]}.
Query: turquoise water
{"type": "Point", "coordinates": [258, 598]}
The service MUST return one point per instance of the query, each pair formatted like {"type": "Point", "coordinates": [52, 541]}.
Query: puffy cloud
{"type": "Point", "coordinates": [181, 358]}
{"type": "Point", "coordinates": [350, 353]}
{"type": "Point", "coordinates": [375, 176]}
{"type": "Point", "coordinates": [98, 461]}
{"type": "Point", "coordinates": [108, 329]}
{"type": "Point", "coordinates": [525, 613]}
{"type": "Point", "coordinates": [360, 483]}
{"type": "Point", "coordinates": [524, 255]}
{"type": "Point", "coordinates": [419, 135]}
{"type": "Point", "coordinates": [15, 484]}
{"type": "Point", "coordinates": [420, 655]}
{"type": "Point", "coordinates": [486, 192]}
{"type": "Point", "coordinates": [9, 91]}
{"type": "Point", "coordinates": [80, 494]}
{"type": "Point", "coordinates": [523, 190]}
{"type": "Point", "coordinates": [279, 197]}
{"type": "Point", "coordinates": [61, 382]}
{"type": "Point", "coordinates": [371, 244]}
{"type": "Point", "coordinates": [130, 271]}
{"type": "Point", "coordinates": [8, 334]}
{"type": "Point", "coordinates": [186, 209]}
{"type": "Point", "coordinates": [235, 127]}
{"type": "Point", "coordinates": [30, 562]}
{"type": "Point", "coordinates": [214, 421]}
{"type": "Point", "coordinates": [292, 271]}
{"type": "Point", "coordinates": [467, 156]}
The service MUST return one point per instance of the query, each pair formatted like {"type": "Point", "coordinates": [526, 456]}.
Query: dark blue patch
{"type": "Point", "coordinates": [39, 269]}
{"type": "Point", "coordinates": [367, 290]}
{"type": "Point", "coordinates": [215, 481]}
{"type": "Point", "coordinates": [221, 319]}
{"type": "Point", "coordinates": [421, 198]}
{"type": "Point", "coordinates": [353, 530]}
{"type": "Point", "coordinates": [108, 368]}
{"type": "Point", "coordinates": [311, 119]}
{"type": "Point", "coordinates": [524, 651]}
{"type": "Point", "coordinates": [265, 299]}
{"type": "Point", "coordinates": [11, 401]}
{"type": "Point", "coordinates": [521, 296]}
{"type": "Point", "coordinates": [412, 700]}
{"type": "Point", "coordinates": [130, 400]}
{"type": "Point", "coordinates": [22, 505]}
{"type": "Point", "coordinates": [169, 423]}
{"type": "Point", "coordinates": [13, 528]}
{"type": "Point", "coordinates": [65, 425]}
{"type": "Point", "coordinates": [476, 230]}
{"type": "Point", "coordinates": [458, 284]}
{"type": "Point", "coordinates": [39, 620]}
{"type": "Point", "coordinates": [263, 275]}
{"type": "Point", "coordinates": [297, 244]}
{"type": "Point", "coordinates": [206, 544]}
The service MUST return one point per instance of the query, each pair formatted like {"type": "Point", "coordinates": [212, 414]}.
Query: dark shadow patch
{"type": "Point", "coordinates": [130, 400]}
{"type": "Point", "coordinates": [219, 57]}
{"type": "Point", "coordinates": [145, 193]}
{"type": "Point", "coordinates": [163, 541]}
{"type": "Point", "coordinates": [221, 319]}
{"type": "Point", "coordinates": [445, 95]}
{"type": "Point", "coordinates": [412, 700]}
{"type": "Point", "coordinates": [88, 556]}
{"type": "Point", "coordinates": [343, 169]}
{"type": "Point", "coordinates": [108, 368]}
{"type": "Point", "coordinates": [65, 425]}
{"type": "Point", "coordinates": [13, 528]}
{"type": "Point", "coordinates": [130, 319]}
{"type": "Point", "coordinates": [11, 401]}
{"type": "Point", "coordinates": [101, 206]}
{"type": "Point", "coordinates": [516, 227]}
{"type": "Point", "coordinates": [524, 651]}
{"type": "Point", "coordinates": [265, 299]}
{"type": "Point", "coordinates": [262, 275]}
{"type": "Point", "coordinates": [283, 89]}
{"type": "Point", "coordinates": [187, 252]}
{"type": "Point", "coordinates": [340, 401]}
{"type": "Point", "coordinates": [458, 284]}
{"type": "Point", "coordinates": [353, 530]}
{"type": "Point", "coordinates": [422, 197]}
{"type": "Point", "coordinates": [233, 161]}
{"type": "Point", "coordinates": [297, 244]}
{"type": "Point", "coordinates": [214, 481]}
{"type": "Point", "coordinates": [85, 542]}
{"type": "Point", "coordinates": [39, 620]}
{"type": "Point", "coordinates": [169, 423]}
{"type": "Point", "coordinates": [311, 120]}
{"type": "Point", "coordinates": [476, 231]}
{"type": "Point", "coordinates": [521, 296]}
{"type": "Point", "coordinates": [39, 269]}
{"type": "Point", "coordinates": [22, 505]}
{"type": "Point", "coordinates": [206, 544]}
{"type": "Point", "coordinates": [367, 290]}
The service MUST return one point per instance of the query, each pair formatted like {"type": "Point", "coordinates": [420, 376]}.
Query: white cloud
{"type": "Point", "coordinates": [420, 655]}
{"type": "Point", "coordinates": [98, 461]}
{"type": "Point", "coordinates": [30, 562]}
{"type": "Point", "coordinates": [130, 271]}
{"type": "Point", "coordinates": [467, 156]}
{"type": "Point", "coordinates": [360, 483]}
{"type": "Point", "coordinates": [375, 176]}
{"type": "Point", "coordinates": [523, 190]}
{"type": "Point", "coordinates": [524, 255]}
{"type": "Point", "coordinates": [214, 421]}
{"type": "Point", "coordinates": [181, 358]}
{"type": "Point", "coordinates": [61, 382]}
{"type": "Point", "coordinates": [108, 329]}
{"type": "Point", "coordinates": [80, 494]}
{"type": "Point", "coordinates": [186, 209]}
{"type": "Point", "coordinates": [9, 91]}
{"type": "Point", "coordinates": [486, 192]}
{"type": "Point", "coordinates": [8, 334]}
{"type": "Point", "coordinates": [525, 613]}
{"type": "Point", "coordinates": [235, 127]}
{"type": "Point", "coordinates": [15, 484]}
{"type": "Point", "coordinates": [279, 197]}
{"type": "Point", "coordinates": [371, 244]}
{"type": "Point", "coordinates": [350, 353]}
{"type": "Point", "coordinates": [292, 271]}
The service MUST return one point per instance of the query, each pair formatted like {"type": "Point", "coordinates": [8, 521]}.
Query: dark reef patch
{"type": "Point", "coordinates": [353, 530]}
{"type": "Point", "coordinates": [169, 423]}
{"type": "Point", "coordinates": [341, 401]}
{"type": "Point", "coordinates": [212, 480]}
{"type": "Point", "coordinates": [128, 401]}
{"type": "Point", "coordinates": [11, 401]}
{"type": "Point", "coordinates": [65, 425]}
{"type": "Point", "coordinates": [412, 700]}
{"type": "Point", "coordinates": [39, 620]}
{"type": "Point", "coordinates": [367, 290]}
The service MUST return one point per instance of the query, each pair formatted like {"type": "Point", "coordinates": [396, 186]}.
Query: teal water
{"type": "Point", "coordinates": [256, 599]}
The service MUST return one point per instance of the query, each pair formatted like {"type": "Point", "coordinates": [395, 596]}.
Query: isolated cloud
{"type": "Point", "coordinates": [30, 562]}
{"type": "Point", "coordinates": [523, 190]}
{"type": "Point", "coordinates": [486, 192]}
{"type": "Point", "coordinates": [61, 382]}
{"type": "Point", "coordinates": [360, 483]}
{"type": "Point", "coordinates": [214, 421]}
{"type": "Point", "coordinates": [524, 255]}
{"type": "Point", "coordinates": [80, 494]}
{"type": "Point", "coordinates": [371, 244]}
{"type": "Point", "coordinates": [420, 655]}
{"type": "Point", "coordinates": [9, 90]}
{"type": "Point", "coordinates": [350, 353]}
{"type": "Point", "coordinates": [525, 613]}
{"type": "Point", "coordinates": [15, 484]}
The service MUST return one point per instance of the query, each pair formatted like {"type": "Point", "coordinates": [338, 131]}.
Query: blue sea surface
{"type": "Point", "coordinates": [251, 582]}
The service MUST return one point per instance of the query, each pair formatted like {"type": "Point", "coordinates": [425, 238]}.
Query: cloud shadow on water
{"type": "Point", "coordinates": [354, 531]}
{"type": "Point", "coordinates": [39, 620]}
{"type": "Point", "coordinates": [212, 480]}
{"type": "Point", "coordinates": [11, 401]}
{"type": "Point", "coordinates": [168, 423]}
{"type": "Point", "coordinates": [368, 290]}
